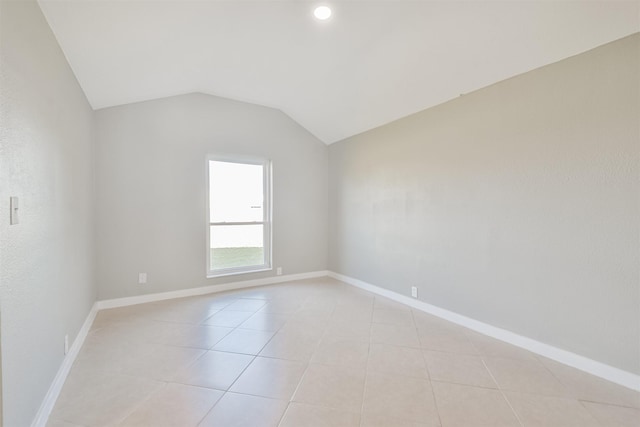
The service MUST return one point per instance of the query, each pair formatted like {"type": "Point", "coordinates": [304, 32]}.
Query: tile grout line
{"type": "Point", "coordinates": [201, 323]}
{"type": "Point", "coordinates": [422, 351]}
{"type": "Point", "coordinates": [504, 396]}
{"type": "Point", "coordinates": [246, 367]}
{"type": "Point", "coordinates": [143, 401]}
{"type": "Point", "coordinates": [306, 368]}
{"type": "Point", "coordinates": [366, 368]}
{"type": "Point", "coordinates": [224, 392]}
{"type": "Point", "coordinates": [164, 383]}
{"type": "Point", "coordinates": [254, 355]}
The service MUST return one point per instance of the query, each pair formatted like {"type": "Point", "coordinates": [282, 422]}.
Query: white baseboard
{"type": "Point", "coordinates": [141, 299]}
{"type": "Point", "coordinates": [61, 376]}
{"type": "Point", "coordinates": [610, 373]}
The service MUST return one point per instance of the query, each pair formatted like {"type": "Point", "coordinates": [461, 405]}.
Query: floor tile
{"type": "Point", "coordinates": [174, 405]}
{"type": "Point", "coordinates": [389, 304]}
{"type": "Point", "coordinates": [317, 307]}
{"type": "Point", "coordinates": [348, 313]}
{"type": "Point", "coordinates": [162, 362]}
{"type": "Point", "coordinates": [122, 314]}
{"type": "Point", "coordinates": [380, 420]}
{"type": "Point", "coordinates": [246, 341]}
{"type": "Point", "coordinates": [613, 416]}
{"type": "Point", "coordinates": [463, 406]}
{"type": "Point", "coordinates": [328, 353]}
{"type": "Point", "coordinates": [214, 369]}
{"type": "Point", "coordinates": [392, 316]}
{"type": "Point", "coordinates": [109, 353]}
{"type": "Point", "coordinates": [110, 397]}
{"type": "Point", "coordinates": [524, 375]}
{"type": "Point", "coordinates": [263, 321]}
{"type": "Point", "coordinates": [424, 320]}
{"type": "Point", "coordinates": [257, 292]}
{"type": "Point", "coordinates": [544, 411]}
{"type": "Point", "coordinates": [221, 300]}
{"type": "Point", "coordinates": [168, 333]}
{"type": "Point", "coordinates": [304, 327]}
{"type": "Point", "coordinates": [492, 347]}
{"type": "Point", "coordinates": [402, 335]}
{"type": "Point", "coordinates": [402, 398]}
{"type": "Point", "coordinates": [353, 297]}
{"type": "Point", "coordinates": [241, 410]}
{"type": "Point", "coordinates": [198, 336]}
{"type": "Point", "coordinates": [391, 359]}
{"type": "Point", "coordinates": [218, 301]}
{"type": "Point", "coordinates": [304, 415]}
{"type": "Point", "coordinates": [332, 386]}
{"type": "Point", "coordinates": [341, 351]}
{"type": "Point", "coordinates": [291, 346]}
{"type": "Point", "coordinates": [137, 331]}
{"type": "Point", "coordinates": [590, 388]}
{"type": "Point", "coordinates": [244, 304]}
{"type": "Point", "coordinates": [286, 306]}
{"type": "Point", "coordinates": [306, 315]}
{"type": "Point", "coordinates": [229, 319]}
{"type": "Point", "coordinates": [360, 331]}
{"type": "Point", "coordinates": [275, 378]}
{"type": "Point", "coordinates": [456, 368]}
{"type": "Point", "coordinates": [60, 423]}
{"type": "Point", "coordinates": [183, 313]}
{"type": "Point", "coordinates": [444, 339]}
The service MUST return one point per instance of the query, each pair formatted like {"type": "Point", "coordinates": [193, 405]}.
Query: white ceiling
{"type": "Point", "coordinates": [371, 63]}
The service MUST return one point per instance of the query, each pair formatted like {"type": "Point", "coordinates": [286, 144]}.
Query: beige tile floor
{"type": "Point", "coordinates": [318, 353]}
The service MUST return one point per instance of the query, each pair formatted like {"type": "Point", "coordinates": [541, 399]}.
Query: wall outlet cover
{"type": "Point", "coordinates": [414, 291]}
{"type": "Point", "coordinates": [142, 278]}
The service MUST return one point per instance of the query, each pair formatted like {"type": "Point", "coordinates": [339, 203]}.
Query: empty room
{"type": "Point", "coordinates": [347, 213]}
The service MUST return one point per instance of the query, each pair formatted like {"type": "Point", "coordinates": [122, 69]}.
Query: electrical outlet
{"type": "Point", "coordinates": [279, 271]}
{"type": "Point", "coordinates": [66, 344]}
{"type": "Point", "coordinates": [142, 278]}
{"type": "Point", "coordinates": [414, 291]}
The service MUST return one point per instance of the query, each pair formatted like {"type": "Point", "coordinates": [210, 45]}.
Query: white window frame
{"type": "Point", "coordinates": [266, 220]}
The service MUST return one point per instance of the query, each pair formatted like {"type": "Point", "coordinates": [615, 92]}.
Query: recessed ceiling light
{"type": "Point", "coordinates": [322, 12]}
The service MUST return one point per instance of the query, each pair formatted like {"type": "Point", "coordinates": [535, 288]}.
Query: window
{"type": "Point", "coordinates": [239, 232]}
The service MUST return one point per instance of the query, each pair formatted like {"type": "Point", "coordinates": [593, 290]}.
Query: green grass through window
{"type": "Point", "coordinates": [236, 257]}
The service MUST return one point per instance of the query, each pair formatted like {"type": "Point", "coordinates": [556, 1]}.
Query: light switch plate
{"type": "Point", "coordinates": [13, 207]}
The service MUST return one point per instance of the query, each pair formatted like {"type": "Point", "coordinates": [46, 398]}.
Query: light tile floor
{"type": "Point", "coordinates": [318, 353]}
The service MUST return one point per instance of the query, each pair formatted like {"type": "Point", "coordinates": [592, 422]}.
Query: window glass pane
{"type": "Point", "coordinates": [236, 246]}
{"type": "Point", "coordinates": [235, 192]}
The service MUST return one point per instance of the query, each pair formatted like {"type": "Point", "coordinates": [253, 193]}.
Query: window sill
{"type": "Point", "coordinates": [212, 275]}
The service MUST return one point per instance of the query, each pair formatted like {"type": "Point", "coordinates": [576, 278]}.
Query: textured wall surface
{"type": "Point", "coordinates": [516, 205]}
{"type": "Point", "coordinates": [46, 261]}
{"type": "Point", "coordinates": [151, 194]}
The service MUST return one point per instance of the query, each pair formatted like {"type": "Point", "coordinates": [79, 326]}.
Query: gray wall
{"type": "Point", "coordinates": [151, 188]}
{"type": "Point", "coordinates": [516, 205]}
{"type": "Point", "coordinates": [46, 261]}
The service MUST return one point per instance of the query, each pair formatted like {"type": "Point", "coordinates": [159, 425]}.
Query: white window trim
{"type": "Point", "coordinates": [267, 220]}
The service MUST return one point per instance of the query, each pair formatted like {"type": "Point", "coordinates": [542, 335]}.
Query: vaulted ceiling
{"type": "Point", "coordinates": [372, 62]}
